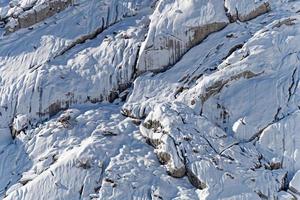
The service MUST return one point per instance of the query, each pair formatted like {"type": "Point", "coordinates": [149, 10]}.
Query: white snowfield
{"type": "Point", "coordinates": [149, 99]}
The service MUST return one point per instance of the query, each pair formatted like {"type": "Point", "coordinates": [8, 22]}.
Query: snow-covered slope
{"type": "Point", "coordinates": [37, 62]}
{"type": "Point", "coordinates": [149, 99]}
{"type": "Point", "coordinates": [166, 42]}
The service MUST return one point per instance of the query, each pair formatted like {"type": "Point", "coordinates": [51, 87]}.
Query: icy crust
{"type": "Point", "coordinates": [86, 153]}
{"type": "Point", "coordinates": [53, 71]}
{"type": "Point", "coordinates": [244, 10]}
{"type": "Point", "coordinates": [213, 161]}
{"type": "Point", "coordinates": [175, 27]}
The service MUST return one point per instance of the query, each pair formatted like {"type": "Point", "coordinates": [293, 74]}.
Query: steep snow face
{"type": "Point", "coordinates": [219, 121]}
{"type": "Point", "coordinates": [49, 68]}
{"type": "Point", "coordinates": [44, 67]}
{"type": "Point", "coordinates": [199, 61]}
{"type": "Point", "coordinates": [175, 27]}
{"type": "Point", "coordinates": [247, 76]}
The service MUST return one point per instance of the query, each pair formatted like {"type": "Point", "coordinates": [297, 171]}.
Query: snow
{"type": "Point", "coordinates": [285, 196]}
{"type": "Point", "coordinates": [71, 159]}
{"type": "Point", "coordinates": [146, 99]}
{"type": "Point", "coordinates": [245, 10]}
{"type": "Point", "coordinates": [44, 70]}
{"type": "Point", "coordinates": [295, 183]}
{"type": "Point", "coordinates": [243, 115]}
{"type": "Point", "coordinates": [213, 160]}
{"type": "Point", "coordinates": [281, 142]}
{"type": "Point", "coordinates": [5, 137]}
{"type": "Point", "coordinates": [172, 31]}
{"type": "Point", "coordinates": [20, 123]}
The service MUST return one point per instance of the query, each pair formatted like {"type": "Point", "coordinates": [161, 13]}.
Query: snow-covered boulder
{"type": "Point", "coordinates": [20, 123]}
{"type": "Point", "coordinates": [245, 10]}
{"type": "Point", "coordinates": [212, 160]}
{"type": "Point", "coordinates": [176, 26]}
{"type": "Point", "coordinates": [25, 15]}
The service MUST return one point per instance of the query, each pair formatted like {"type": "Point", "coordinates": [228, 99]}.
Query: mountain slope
{"type": "Point", "coordinates": [146, 99]}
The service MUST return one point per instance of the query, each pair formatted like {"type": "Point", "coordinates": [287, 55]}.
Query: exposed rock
{"type": "Point", "coordinates": [218, 85]}
{"type": "Point", "coordinates": [244, 10]}
{"type": "Point", "coordinates": [36, 14]}
{"type": "Point", "coordinates": [194, 178]}
{"type": "Point", "coordinates": [222, 114]}
{"type": "Point", "coordinates": [287, 22]}
{"type": "Point", "coordinates": [167, 151]}
{"type": "Point", "coordinates": [173, 33]}
{"type": "Point", "coordinates": [49, 91]}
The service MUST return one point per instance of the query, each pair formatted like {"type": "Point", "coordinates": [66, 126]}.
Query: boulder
{"type": "Point", "coordinates": [244, 10]}
{"type": "Point", "coordinates": [177, 26]}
